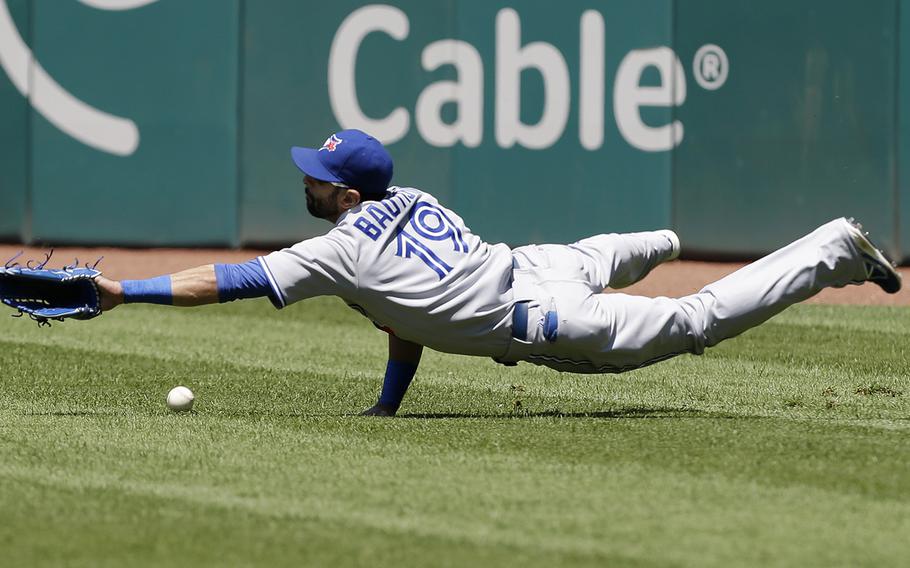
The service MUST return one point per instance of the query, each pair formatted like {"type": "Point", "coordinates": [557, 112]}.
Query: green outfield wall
{"type": "Point", "coordinates": [741, 125]}
{"type": "Point", "coordinates": [14, 139]}
{"type": "Point", "coordinates": [805, 130]}
{"type": "Point", "coordinates": [171, 68]}
{"type": "Point", "coordinates": [903, 144]}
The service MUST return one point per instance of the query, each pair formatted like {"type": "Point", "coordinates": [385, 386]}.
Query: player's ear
{"type": "Point", "coordinates": [350, 198]}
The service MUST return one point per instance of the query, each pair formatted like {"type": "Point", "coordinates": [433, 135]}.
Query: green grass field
{"type": "Point", "coordinates": [788, 446]}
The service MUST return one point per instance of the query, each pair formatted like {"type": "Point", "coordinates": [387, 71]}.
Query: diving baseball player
{"type": "Point", "coordinates": [409, 264]}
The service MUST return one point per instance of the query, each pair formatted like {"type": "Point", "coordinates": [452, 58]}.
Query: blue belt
{"type": "Point", "coordinates": [520, 319]}
{"type": "Point", "coordinates": [520, 323]}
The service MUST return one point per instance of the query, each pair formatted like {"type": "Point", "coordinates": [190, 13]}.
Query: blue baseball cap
{"type": "Point", "coordinates": [350, 157]}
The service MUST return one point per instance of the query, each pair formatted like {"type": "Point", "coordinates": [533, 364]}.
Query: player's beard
{"type": "Point", "coordinates": [323, 209]}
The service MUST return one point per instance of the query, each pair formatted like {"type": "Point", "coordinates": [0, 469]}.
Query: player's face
{"type": "Point", "coordinates": [326, 201]}
{"type": "Point", "coordinates": [322, 199]}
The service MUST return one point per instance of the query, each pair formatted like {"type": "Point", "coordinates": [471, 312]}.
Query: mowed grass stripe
{"type": "Point", "coordinates": [861, 319]}
{"type": "Point", "coordinates": [360, 348]}
{"type": "Point", "coordinates": [249, 532]}
{"type": "Point", "coordinates": [735, 378]}
{"type": "Point", "coordinates": [721, 385]}
{"type": "Point", "coordinates": [236, 333]}
{"type": "Point", "coordinates": [245, 332]}
{"type": "Point", "coordinates": [439, 477]}
{"type": "Point", "coordinates": [606, 510]}
{"type": "Point", "coordinates": [842, 458]}
{"type": "Point", "coordinates": [700, 460]}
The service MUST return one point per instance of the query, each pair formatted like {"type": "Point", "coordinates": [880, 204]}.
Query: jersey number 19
{"type": "Point", "coordinates": [429, 228]}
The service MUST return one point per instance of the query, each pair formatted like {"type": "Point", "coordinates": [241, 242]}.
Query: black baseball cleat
{"type": "Point", "coordinates": [879, 269]}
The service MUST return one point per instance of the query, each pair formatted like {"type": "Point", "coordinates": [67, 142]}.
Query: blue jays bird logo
{"type": "Point", "coordinates": [331, 143]}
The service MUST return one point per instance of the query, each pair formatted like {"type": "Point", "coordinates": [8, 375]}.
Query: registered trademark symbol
{"type": "Point", "coordinates": [710, 67]}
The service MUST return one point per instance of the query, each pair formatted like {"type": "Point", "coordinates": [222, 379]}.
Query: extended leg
{"type": "Point", "coordinates": [620, 259]}
{"type": "Point", "coordinates": [827, 257]}
{"type": "Point", "coordinates": [617, 332]}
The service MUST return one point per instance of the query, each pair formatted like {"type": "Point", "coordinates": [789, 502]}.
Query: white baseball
{"type": "Point", "coordinates": [180, 399]}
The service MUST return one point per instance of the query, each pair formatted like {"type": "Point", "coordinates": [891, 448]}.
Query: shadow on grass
{"type": "Point", "coordinates": [72, 413]}
{"type": "Point", "coordinates": [632, 412]}
{"type": "Point", "coordinates": [638, 412]}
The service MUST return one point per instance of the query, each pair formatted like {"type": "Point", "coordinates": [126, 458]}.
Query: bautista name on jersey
{"type": "Point", "coordinates": [412, 267]}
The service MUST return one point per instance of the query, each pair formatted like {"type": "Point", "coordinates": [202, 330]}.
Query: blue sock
{"type": "Point", "coordinates": [398, 376]}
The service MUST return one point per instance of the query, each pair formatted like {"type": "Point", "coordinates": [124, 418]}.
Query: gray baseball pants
{"type": "Point", "coordinates": [612, 333]}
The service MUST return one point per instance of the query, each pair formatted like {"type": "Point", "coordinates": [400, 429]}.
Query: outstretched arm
{"type": "Point", "coordinates": [207, 284]}
{"type": "Point", "coordinates": [404, 356]}
{"type": "Point", "coordinates": [192, 287]}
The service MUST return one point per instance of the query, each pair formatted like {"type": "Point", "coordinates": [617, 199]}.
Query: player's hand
{"type": "Point", "coordinates": [379, 409]}
{"type": "Point", "coordinates": [111, 293]}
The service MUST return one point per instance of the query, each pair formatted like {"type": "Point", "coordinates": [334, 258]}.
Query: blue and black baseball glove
{"type": "Point", "coordinates": [46, 294]}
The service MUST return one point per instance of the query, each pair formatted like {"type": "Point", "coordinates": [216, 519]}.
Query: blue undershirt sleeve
{"type": "Point", "coordinates": [240, 281]}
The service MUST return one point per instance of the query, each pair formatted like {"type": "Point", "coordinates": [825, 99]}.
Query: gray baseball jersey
{"type": "Point", "coordinates": [412, 267]}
